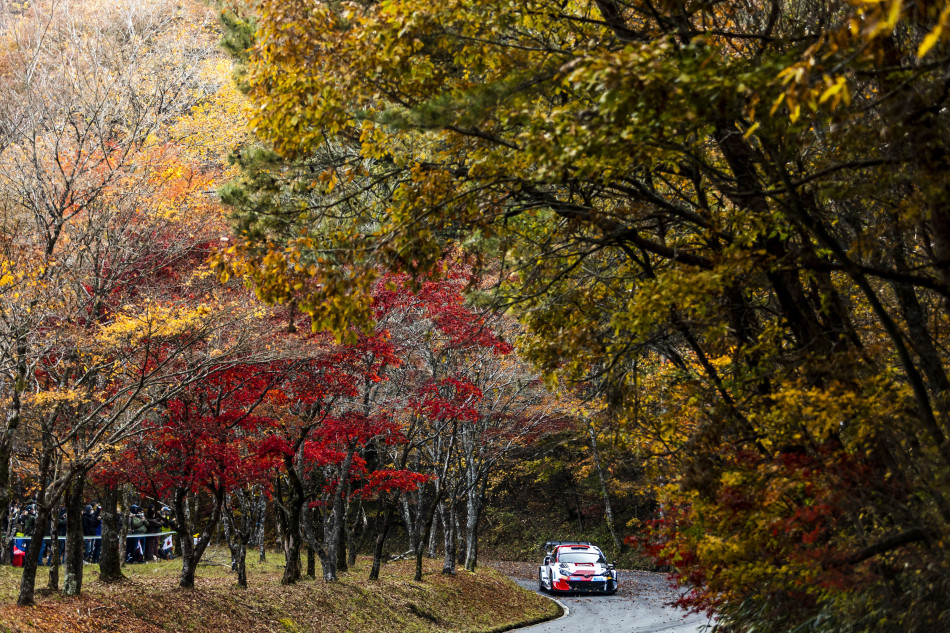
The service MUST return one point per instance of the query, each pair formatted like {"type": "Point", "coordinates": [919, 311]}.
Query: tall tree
{"type": "Point", "coordinates": [100, 302]}
{"type": "Point", "coordinates": [743, 204]}
{"type": "Point", "coordinates": [204, 444]}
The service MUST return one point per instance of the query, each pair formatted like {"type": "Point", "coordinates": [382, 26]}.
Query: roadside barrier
{"type": "Point", "coordinates": [94, 538]}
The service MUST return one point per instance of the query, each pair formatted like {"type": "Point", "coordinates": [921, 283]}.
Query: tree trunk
{"type": "Point", "coordinates": [110, 564]}
{"type": "Point", "coordinates": [242, 565]}
{"type": "Point", "coordinates": [410, 524]}
{"type": "Point", "coordinates": [351, 545]}
{"type": "Point", "coordinates": [355, 547]}
{"type": "Point", "coordinates": [53, 584]}
{"type": "Point", "coordinates": [434, 532]}
{"type": "Point", "coordinates": [471, 538]}
{"type": "Point", "coordinates": [191, 551]}
{"type": "Point", "coordinates": [602, 477]}
{"type": "Point", "coordinates": [448, 531]}
{"type": "Point", "coordinates": [123, 525]}
{"type": "Point", "coordinates": [242, 530]}
{"type": "Point", "coordinates": [328, 566]}
{"type": "Point", "coordinates": [383, 521]}
{"type": "Point", "coordinates": [259, 529]}
{"type": "Point", "coordinates": [28, 579]}
{"type": "Point", "coordinates": [311, 563]}
{"type": "Point", "coordinates": [343, 528]}
{"type": "Point", "coordinates": [182, 518]}
{"type": "Point", "coordinates": [429, 517]}
{"type": "Point", "coordinates": [289, 512]}
{"type": "Point", "coordinates": [341, 549]}
{"type": "Point", "coordinates": [72, 582]}
{"type": "Point", "coordinates": [13, 414]}
{"type": "Point", "coordinates": [292, 543]}
{"type": "Point", "coordinates": [476, 499]}
{"type": "Point", "coordinates": [231, 536]}
{"type": "Point", "coordinates": [9, 534]}
{"type": "Point", "coordinates": [333, 523]}
{"type": "Point", "coordinates": [186, 579]}
{"type": "Point", "coordinates": [292, 556]}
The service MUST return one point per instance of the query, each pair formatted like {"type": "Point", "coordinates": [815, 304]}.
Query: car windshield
{"type": "Point", "coordinates": [580, 557]}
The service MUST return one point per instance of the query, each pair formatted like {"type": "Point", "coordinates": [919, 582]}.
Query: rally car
{"type": "Point", "coordinates": [576, 567]}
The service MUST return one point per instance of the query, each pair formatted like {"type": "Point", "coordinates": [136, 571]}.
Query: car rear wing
{"type": "Point", "coordinates": [550, 545]}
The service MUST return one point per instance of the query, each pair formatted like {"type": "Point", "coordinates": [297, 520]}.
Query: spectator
{"type": "Point", "coordinates": [152, 524]}
{"type": "Point", "coordinates": [89, 521]}
{"type": "Point", "coordinates": [97, 544]}
{"type": "Point", "coordinates": [27, 520]}
{"type": "Point", "coordinates": [137, 525]}
{"type": "Point", "coordinates": [24, 527]}
{"type": "Point", "coordinates": [61, 534]}
{"type": "Point", "coordinates": [29, 524]}
{"type": "Point", "coordinates": [166, 548]}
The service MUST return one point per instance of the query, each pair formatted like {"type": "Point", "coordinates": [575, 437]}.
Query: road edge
{"type": "Point", "coordinates": [565, 611]}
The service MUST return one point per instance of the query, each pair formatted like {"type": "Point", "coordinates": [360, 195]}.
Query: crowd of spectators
{"type": "Point", "coordinates": [149, 533]}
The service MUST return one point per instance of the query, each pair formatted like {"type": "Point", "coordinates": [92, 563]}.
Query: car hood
{"type": "Point", "coordinates": [586, 569]}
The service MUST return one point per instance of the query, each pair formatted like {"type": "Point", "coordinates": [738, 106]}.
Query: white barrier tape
{"type": "Point", "coordinates": [93, 538]}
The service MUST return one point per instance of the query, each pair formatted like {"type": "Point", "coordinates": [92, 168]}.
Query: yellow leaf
{"type": "Point", "coordinates": [930, 41]}
{"type": "Point", "coordinates": [775, 104]}
{"type": "Point", "coordinates": [894, 13]}
{"type": "Point", "coordinates": [837, 90]}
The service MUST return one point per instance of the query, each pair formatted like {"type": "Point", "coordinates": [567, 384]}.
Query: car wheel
{"type": "Point", "coordinates": [540, 583]}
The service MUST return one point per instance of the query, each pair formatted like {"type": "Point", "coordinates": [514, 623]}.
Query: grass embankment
{"type": "Point", "coordinates": [150, 601]}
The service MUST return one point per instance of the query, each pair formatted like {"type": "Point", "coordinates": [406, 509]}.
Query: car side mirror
{"type": "Point", "coordinates": [547, 560]}
{"type": "Point", "coordinates": [612, 565]}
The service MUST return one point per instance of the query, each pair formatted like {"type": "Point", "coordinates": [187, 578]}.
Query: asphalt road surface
{"type": "Point", "coordinates": [637, 608]}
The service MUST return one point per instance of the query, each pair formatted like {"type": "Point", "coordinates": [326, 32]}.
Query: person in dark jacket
{"type": "Point", "coordinates": [61, 534]}
{"type": "Point", "coordinates": [137, 525]}
{"type": "Point", "coordinates": [153, 524]}
{"type": "Point", "coordinates": [88, 530]}
{"type": "Point", "coordinates": [97, 544]}
{"type": "Point", "coordinates": [27, 520]}
{"type": "Point", "coordinates": [28, 523]}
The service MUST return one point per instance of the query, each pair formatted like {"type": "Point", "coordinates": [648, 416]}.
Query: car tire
{"type": "Point", "coordinates": [540, 583]}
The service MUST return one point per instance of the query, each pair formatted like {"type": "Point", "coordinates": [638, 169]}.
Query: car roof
{"type": "Point", "coordinates": [578, 547]}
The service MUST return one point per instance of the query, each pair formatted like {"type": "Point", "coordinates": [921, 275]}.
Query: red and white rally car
{"type": "Point", "coordinates": [576, 567]}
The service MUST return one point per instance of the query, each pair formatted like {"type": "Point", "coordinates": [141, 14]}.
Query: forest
{"type": "Point", "coordinates": [355, 278]}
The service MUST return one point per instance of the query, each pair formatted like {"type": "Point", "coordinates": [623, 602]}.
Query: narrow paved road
{"type": "Point", "coordinates": [637, 608]}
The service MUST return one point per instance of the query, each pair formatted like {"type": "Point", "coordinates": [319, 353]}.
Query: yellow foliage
{"type": "Point", "coordinates": [151, 322]}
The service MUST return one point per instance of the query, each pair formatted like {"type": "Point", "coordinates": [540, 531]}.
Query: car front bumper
{"type": "Point", "coordinates": [598, 585]}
